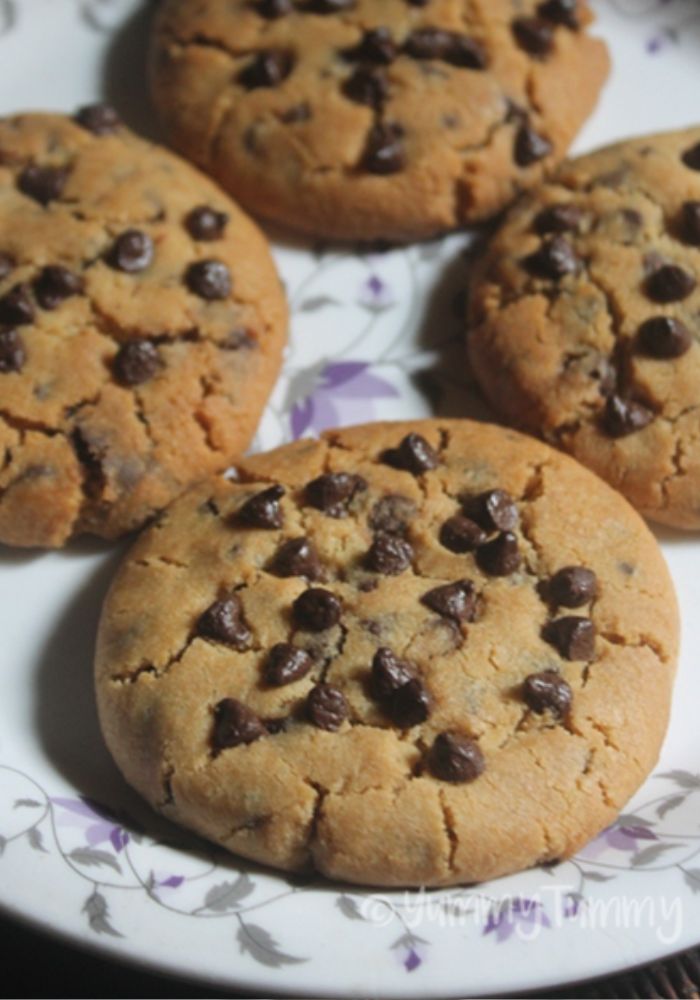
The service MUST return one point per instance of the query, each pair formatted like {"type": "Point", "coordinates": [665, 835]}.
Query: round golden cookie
{"type": "Point", "coordinates": [141, 327]}
{"type": "Point", "coordinates": [584, 316]}
{"type": "Point", "coordinates": [368, 119]}
{"type": "Point", "coordinates": [414, 653]}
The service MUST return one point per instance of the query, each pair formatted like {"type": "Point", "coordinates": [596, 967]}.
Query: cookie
{"type": "Point", "coordinates": [141, 327]}
{"type": "Point", "coordinates": [421, 653]}
{"type": "Point", "coordinates": [584, 316]}
{"type": "Point", "coordinates": [360, 119]}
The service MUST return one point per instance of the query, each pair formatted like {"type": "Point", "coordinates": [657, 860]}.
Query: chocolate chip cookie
{"type": "Point", "coordinates": [584, 315]}
{"type": "Point", "coordinates": [422, 653]}
{"type": "Point", "coordinates": [361, 119]}
{"type": "Point", "coordinates": [141, 327]}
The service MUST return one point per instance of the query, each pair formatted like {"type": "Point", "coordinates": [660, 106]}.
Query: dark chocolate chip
{"type": "Point", "coordinates": [461, 534]}
{"type": "Point", "coordinates": [136, 362]}
{"type": "Point", "coordinates": [572, 636]}
{"type": "Point", "coordinates": [456, 758]}
{"type": "Point", "coordinates": [43, 184]}
{"type": "Point", "coordinates": [316, 610]}
{"type": "Point", "coordinates": [572, 587]}
{"type": "Point", "coordinates": [500, 557]}
{"type": "Point", "coordinates": [447, 46]}
{"type": "Point", "coordinates": [206, 224]}
{"type": "Point", "coordinates": [275, 726]}
{"type": "Point", "coordinates": [56, 284]}
{"type": "Point", "coordinates": [285, 664]}
{"type": "Point", "coordinates": [239, 340]}
{"type": "Point", "coordinates": [670, 283]}
{"type": "Point", "coordinates": [456, 601]}
{"type": "Point", "coordinates": [210, 280]}
{"type": "Point", "coordinates": [223, 622]}
{"type": "Point", "coordinates": [272, 9]}
{"type": "Point", "coordinates": [664, 337]}
{"type": "Point", "coordinates": [389, 673]}
{"type": "Point", "coordinates": [100, 119]}
{"type": "Point", "coordinates": [554, 260]}
{"type": "Point", "coordinates": [466, 53]}
{"type": "Point", "coordinates": [13, 354]}
{"type": "Point", "coordinates": [326, 707]}
{"type": "Point", "coordinates": [392, 514]}
{"type": "Point", "coordinates": [409, 706]}
{"type": "Point", "coordinates": [333, 492]}
{"type": "Point", "coordinates": [131, 252]}
{"type": "Point", "coordinates": [558, 219]}
{"type": "Point", "coordinates": [376, 47]}
{"type": "Point", "coordinates": [563, 12]}
{"type": "Point", "coordinates": [547, 692]}
{"type": "Point", "coordinates": [7, 265]}
{"type": "Point", "coordinates": [297, 113]}
{"type": "Point", "coordinates": [494, 510]}
{"type": "Point", "coordinates": [414, 454]}
{"type": "Point", "coordinates": [297, 557]}
{"type": "Point", "coordinates": [384, 153]}
{"type": "Point", "coordinates": [235, 724]}
{"type": "Point", "coordinates": [533, 35]}
{"type": "Point", "coordinates": [267, 69]}
{"type": "Point", "coordinates": [690, 223]}
{"type": "Point", "coordinates": [329, 6]}
{"type": "Point", "coordinates": [530, 146]}
{"type": "Point", "coordinates": [16, 307]}
{"type": "Point", "coordinates": [389, 555]}
{"type": "Point", "coordinates": [625, 416]}
{"type": "Point", "coordinates": [691, 157]}
{"type": "Point", "coordinates": [263, 510]}
{"type": "Point", "coordinates": [367, 85]}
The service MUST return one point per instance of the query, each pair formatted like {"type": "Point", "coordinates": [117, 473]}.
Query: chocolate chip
{"type": "Point", "coordinates": [670, 283]}
{"type": "Point", "coordinates": [272, 9]}
{"type": "Point", "coordinates": [389, 673]}
{"type": "Point", "coordinates": [389, 555]}
{"type": "Point", "coordinates": [131, 252]}
{"type": "Point", "coordinates": [376, 47]}
{"type": "Point", "coordinates": [448, 46]}
{"type": "Point", "coordinates": [461, 534]}
{"type": "Point", "coordinates": [285, 664]}
{"type": "Point", "coordinates": [554, 260]}
{"type": "Point", "coordinates": [12, 352]}
{"type": "Point", "coordinates": [409, 706]}
{"type": "Point", "coordinates": [367, 86]}
{"type": "Point", "coordinates": [392, 514]}
{"type": "Point", "coordinates": [466, 53]}
{"type": "Point", "coordinates": [664, 337]}
{"type": "Point", "coordinates": [235, 724]}
{"type": "Point", "coordinates": [223, 622]}
{"type": "Point", "coordinates": [206, 224]}
{"type": "Point", "coordinates": [263, 510]}
{"type": "Point", "coordinates": [333, 492]}
{"type": "Point", "coordinates": [136, 362]}
{"type": "Point", "coordinates": [297, 113]}
{"type": "Point", "coordinates": [297, 557]}
{"type": "Point", "coordinates": [572, 587]}
{"type": "Point", "coordinates": [43, 184]}
{"type": "Point", "coordinates": [16, 307]}
{"type": "Point", "coordinates": [563, 12]}
{"type": "Point", "coordinates": [239, 340]}
{"type": "Point", "coordinates": [558, 219]}
{"type": "Point", "coordinates": [326, 707]}
{"type": "Point", "coordinates": [572, 636]}
{"type": "Point", "coordinates": [500, 557]}
{"type": "Point", "coordinates": [316, 610]}
{"type": "Point", "coordinates": [414, 454]}
{"type": "Point", "coordinates": [209, 279]}
{"type": "Point", "coordinates": [691, 157]}
{"type": "Point", "coordinates": [690, 223]}
{"type": "Point", "coordinates": [456, 601]}
{"type": "Point", "coordinates": [100, 119]}
{"type": "Point", "coordinates": [329, 6]}
{"type": "Point", "coordinates": [456, 758]}
{"type": "Point", "coordinates": [625, 416]}
{"type": "Point", "coordinates": [547, 692]}
{"type": "Point", "coordinates": [530, 146]}
{"type": "Point", "coordinates": [7, 265]}
{"type": "Point", "coordinates": [533, 35]}
{"type": "Point", "coordinates": [267, 69]}
{"type": "Point", "coordinates": [56, 284]}
{"type": "Point", "coordinates": [494, 510]}
{"type": "Point", "coordinates": [384, 152]}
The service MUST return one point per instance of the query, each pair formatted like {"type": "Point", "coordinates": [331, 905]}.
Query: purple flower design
{"type": "Point", "coordinates": [100, 825]}
{"type": "Point", "coordinates": [410, 950]}
{"type": "Point", "coordinates": [572, 905]}
{"type": "Point", "coordinates": [342, 392]}
{"type": "Point", "coordinates": [505, 918]}
{"type": "Point", "coordinates": [375, 295]}
{"type": "Point", "coordinates": [624, 835]}
{"type": "Point", "coordinates": [661, 40]}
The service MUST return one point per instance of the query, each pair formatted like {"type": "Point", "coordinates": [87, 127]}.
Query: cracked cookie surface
{"type": "Point", "coordinates": [424, 653]}
{"type": "Point", "coordinates": [375, 119]}
{"type": "Point", "coordinates": [584, 319]}
{"type": "Point", "coordinates": [141, 327]}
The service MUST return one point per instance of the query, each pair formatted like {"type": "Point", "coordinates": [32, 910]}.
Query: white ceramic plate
{"type": "Point", "coordinates": [373, 336]}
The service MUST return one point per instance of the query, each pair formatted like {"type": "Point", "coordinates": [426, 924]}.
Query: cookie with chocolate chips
{"type": "Point", "coordinates": [584, 319]}
{"type": "Point", "coordinates": [464, 703]}
{"type": "Point", "coordinates": [141, 328]}
{"type": "Point", "coordinates": [364, 120]}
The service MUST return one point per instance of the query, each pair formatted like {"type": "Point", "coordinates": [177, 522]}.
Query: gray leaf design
{"type": "Point", "coordinates": [631, 819]}
{"type": "Point", "coordinates": [684, 779]}
{"type": "Point", "coordinates": [90, 857]}
{"type": "Point", "coordinates": [100, 14]}
{"type": "Point", "coordinates": [669, 805]}
{"type": "Point", "coordinates": [8, 16]}
{"type": "Point", "coordinates": [348, 907]}
{"type": "Point", "coordinates": [36, 840]}
{"type": "Point", "coordinates": [261, 946]}
{"type": "Point", "coordinates": [316, 302]}
{"type": "Point", "coordinates": [97, 911]}
{"type": "Point", "coordinates": [597, 877]}
{"type": "Point", "coordinates": [691, 877]}
{"type": "Point", "coordinates": [27, 804]}
{"type": "Point", "coordinates": [650, 854]}
{"type": "Point", "coordinates": [228, 895]}
{"type": "Point", "coordinates": [3, 844]}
